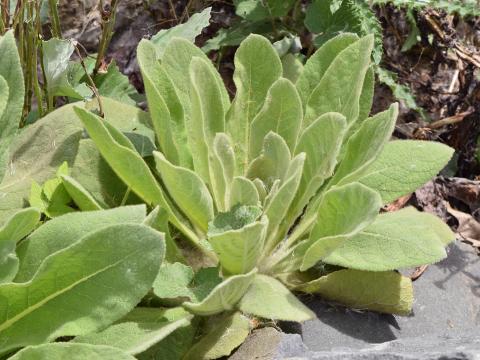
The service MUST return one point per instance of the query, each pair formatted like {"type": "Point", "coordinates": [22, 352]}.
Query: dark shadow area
{"type": "Point", "coordinates": [460, 262]}
{"type": "Point", "coordinates": [367, 326]}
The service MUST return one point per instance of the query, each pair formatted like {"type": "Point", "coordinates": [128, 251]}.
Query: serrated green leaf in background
{"type": "Point", "coordinates": [387, 292]}
{"type": "Point", "coordinates": [268, 298]}
{"type": "Point", "coordinates": [188, 30]}
{"type": "Point", "coordinates": [123, 260]}
{"type": "Point", "coordinates": [403, 166]}
{"type": "Point", "coordinates": [64, 231]}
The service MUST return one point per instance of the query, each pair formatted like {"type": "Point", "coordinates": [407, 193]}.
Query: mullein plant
{"type": "Point", "coordinates": [283, 186]}
{"type": "Point", "coordinates": [245, 202]}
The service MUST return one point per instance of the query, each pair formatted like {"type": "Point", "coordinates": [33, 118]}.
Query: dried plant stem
{"type": "Point", "coordinates": [54, 18]}
{"type": "Point", "coordinates": [108, 23]}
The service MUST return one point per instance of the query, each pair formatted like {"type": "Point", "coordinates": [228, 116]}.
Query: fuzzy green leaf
{"type": "Point", "coordinates": [404, 166]}
{"type": "Point", "coordinates": [321, 142]}
{"type": "Point", "coordinates": [222, 169]}
{"type": "Point", "coordinates": [62, 350]}
{"type": "Point", "coordinates": [239, 250]}
{"type": "Point", "coordinates": [63, 231]}
{"type": "Point", "coordinates": [257, 67]}
{"type": "Point", "coordinates": [365, 146]}
{"type": "Point", "coordinates": [84, 200]}
{"type": "Point", "coordinates": [272, 164]}
{"type": "Point", "coordinates": [35, 154]}
{"type": "Point", "coordinates": [135, 333]}
{"type": "Point", "coordinates": [165, 107]}
{"type": "Point", "coordinates": [268, 298]}
{"type": "Point", "coordinates": [343, 212]}
{"type": "Point", "coordinates": [223, 297]}
{"type": "Point", "coordinates": [129, 167]}
{"type": "Point", "coordinates": [279, 204]}
{"type": "Point", "coordinates": [340, 87]}
{"type": "Point", "coordinates": [227, 334]}
{"type": "Point", "coordinates": [123, 260]}
{"type": "Point", "coordinates": [238, 217]}
{"type": "Point", "coordinates": [243, 192]}
{"type": "Point", "coordinates": [317, 65]}
{"type": "Point", "coordinates": [401, 239]}
{"type": "Point", "coordinates": [11, 72]}
{"type": "Point", "coordinates": [281, 113]}
{"type": "Point", "coordinates": [187, 284]}
{"type": "Point", "coordinates": [15, 229]}
{"type": "Point", "coordinates": [208, 114]}
{"type": "Point", "coordinates": [387, 292]}
{"type": "Point", "coordinates": [187, 190]}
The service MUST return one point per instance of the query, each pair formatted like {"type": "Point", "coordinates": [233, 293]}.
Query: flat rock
{"type": "Point", "coordinates": [445, 323]}
{"type": "Point", "coordinates": [447, 302]}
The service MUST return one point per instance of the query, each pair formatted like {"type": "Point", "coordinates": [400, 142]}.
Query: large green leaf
{"type": "Point", "coordinates": [321, 142]}
{"type": "Point", "coordinates": [188, 30]}
{"type": "Point", "coordinates": [208, 114]}
{"type": "Point", "coordinates": [401, 239]}
{"type": "Point", "coordinates": [273, 162]}
{"type": "Point", "coordinates": [366, 98]}
{"type": "Point", "coordinates": [224, 336]}
{"type": "Point", "coordinates": [318, 63]}
{"type": "Point", "coordinates": [404, 166]}
{"type": "Point", "coordinates": [281, 113]}
{"type": "Point", "coordinates": [141, 329]}
{"type": "Point", "coordinates": [187, 285]}
{"type": "Point", "coordinates": [257, 10]}
{"type": "Point", "coordinates": [340, 87]}
{"type": "Point", "coordinates": [93, 173]}
{"type": "Point", "coordinates": [239, 250]}
{"type": "Point", "coordinates": [223, 297]}
{"type": "Point", "coordinates": [63, 231]}
{"type": "Point", "coordinates": [243, 192]}
{"type": "Point", "coordinates": [365, 146]}
{"type": "Point", "coordinates": [279, 204]}
{"type": "Point", "coordinates": [35, 154]}
{"type": "Point", "coordinates": [56, 57]}
{"type": "Point", "coordinates": [82, 198]}
{"type": "Point", "coordinates": [11, 72]}
{"type": "Point", "coordinates": [122, 260]}
{"type": "Point", "coordinates": [15, 229]}
{"type": "Point", "coordinates": [268, 298]}
{"type": "Point", "coordinates": [71, 351]}
{"type": "Point", "coordinates": [188, 191]}
{"type": "Point", "coordinates": [343, 212]}
{"type": "Point", "coordinates": [176, 62]}
{"type": "Point", "coordinates": [387, 292]}
{"type": "Point", "coordinates": [129, 166]}
{"type": "Point", "coordinates": [257, 67]}
{"type": "Point", "coordinates": [164, 105]}
{"type": "Point", "coordinates": [222, 168]}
